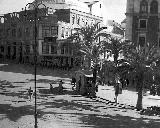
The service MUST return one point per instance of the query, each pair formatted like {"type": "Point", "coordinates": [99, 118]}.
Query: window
{"type": "Point", "coordinates": [13, 32]}
{"type": "Point", "coordinates": [27, 32]}
{"type": "Point", "coordinates": [19, 32]}
{"type": "Point", "coordinates": [45, 31]}
{"type": "Point", "coordinates": [53, 49]}
{"type": "Point", "coordinates": [1, 32]}
{"type": "Point", "coordinates": [144, 6]}
{"type": "Point", "coordinates": [8, 32]}
{"type": "Point", "coordinates": [67, 50]}
{"type": "Point", "coordinates": [154, 7]}
{"type": "Point", "coordinates": [62, 34]}
{"type": "Point", "coordinates": [142, 40]}
{"type": "Point", "coordinates": [45, 48]}
{"type": "Point", "coordinates": [27, 47]}
{"type": "Point", "coordinates": [142, 23]}
{"type": "Point", "coordinates": [2, 48]}
{"type": "Point", "coordinates": [73, 19]}
{"type": "Point", "coordinates": [54, 30]}
{"type": "Point", "coordinates": [83, 22]}
{"type": "Point", "coordinates": [70, 51]}
{"type": "Point", "coordinates": [159, 42]}
{"type": "Point", "coordinates": [67, 32]}
{"type": "Point", "coordinates": [62, 49]}
{"type": "Point", "coordinates": [78, 21]}
{"type": "Point", "coordinates": [86, 23]}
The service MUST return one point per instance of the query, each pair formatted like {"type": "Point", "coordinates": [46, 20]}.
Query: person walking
{"type": "Point", "coordinates": [51, 88]}
{"type": "Point", "coordinates": [60, 87]}
{"type": "Point", "coordinates": [118, 88]}
{"type": "Point", "coordinates": [73, 82]}
{"type": "Point", "coordinates": [116, 92]}
{"type": "Point", "coordinates": [30, 92]}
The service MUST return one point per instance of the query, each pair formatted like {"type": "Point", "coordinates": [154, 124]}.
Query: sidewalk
{"type": "Point", "coordinates": [127, 97]}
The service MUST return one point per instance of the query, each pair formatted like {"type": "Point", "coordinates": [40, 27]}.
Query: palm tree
{"type": "Point", "coordinates": [116, 47]}
{"type": "Point", "coordinates": [87, 39]}
{"type": "Point", "coordinates": [140, 61]}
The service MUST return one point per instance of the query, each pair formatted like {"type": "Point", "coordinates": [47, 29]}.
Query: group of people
{"type": "Point", "coordinates": [117, 87]}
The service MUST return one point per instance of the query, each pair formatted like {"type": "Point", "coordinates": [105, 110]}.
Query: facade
{"type": "Point", "coordinates": [17, 35]}
{"type": "Point", "coordinates": [142, 22]}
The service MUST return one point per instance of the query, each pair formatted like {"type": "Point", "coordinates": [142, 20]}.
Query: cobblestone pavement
{"type": "Point", "coordinates": [58, 110]}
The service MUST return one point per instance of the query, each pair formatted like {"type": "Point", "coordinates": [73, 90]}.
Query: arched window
{"type": "Point", "coordinates": [144, 6]}
{"type": "Point", "coordinates": [154, 7]}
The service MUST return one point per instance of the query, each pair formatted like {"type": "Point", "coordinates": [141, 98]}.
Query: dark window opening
{"type": "Point", "coordinates": [142, 41]}
{"type": "Point", "coordinates": [73, 19]}
{"type": "Point", "coordinates": [143, 24]}
{"type": "Point", "coordinates": [144, 6]}
{"type": "Point", "coordinates": [53, 49]}
{"type": "Point", "coordinates": [45, 48]}
{"type": "Point", "coordinates": [62, 50]}
{"type": "Point", "coordinates": [154, 7]}
{"type": "Point", "coordinates": [2, 48]}
{"type": "Point", "coordinates": [54, 30]}
{"type": "Point", "coordinates": [13, 32]}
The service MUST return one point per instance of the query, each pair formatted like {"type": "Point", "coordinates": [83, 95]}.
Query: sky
{"type": "Point", "coordinates": [113, 9]}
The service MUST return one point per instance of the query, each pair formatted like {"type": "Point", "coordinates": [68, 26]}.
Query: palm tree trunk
{"type": "Point", "coordinates": [139, 105]}
{"type": "Point", "coordinates": [93, 92]}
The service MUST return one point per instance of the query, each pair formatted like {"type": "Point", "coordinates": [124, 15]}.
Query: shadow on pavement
{"type": "Point", "coordinates": [14, 113]}
{"type": "Point", "coordinates": [49, 81]}
{"type": "Point", "coordinates": [87, 114]}
{"type": "Point", "coordinates": [55, 91]}
{"type": "Point", "coordinates": [118, 121]}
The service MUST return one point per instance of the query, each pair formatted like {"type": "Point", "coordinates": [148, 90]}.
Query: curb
{"type": "Point", "coordinates": [118, 105]}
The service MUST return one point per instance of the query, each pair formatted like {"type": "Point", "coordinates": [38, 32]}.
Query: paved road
{"type": "Point", "coordinates": [65, 110]}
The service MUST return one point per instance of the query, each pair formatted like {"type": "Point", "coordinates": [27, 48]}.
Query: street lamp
{"type": "Point", "coordinates": [35, 7]}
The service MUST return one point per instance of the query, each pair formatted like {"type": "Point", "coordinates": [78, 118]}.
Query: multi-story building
{"type": "Point", "coordinates": [17, 33]}
{"type": "Point", "coordinates": [142, 22]}
{"type": "Point", "coordinates": [18, 37]}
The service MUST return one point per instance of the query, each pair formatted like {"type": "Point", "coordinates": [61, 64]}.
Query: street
{"type": "Point", "coordinates": [65, 110]}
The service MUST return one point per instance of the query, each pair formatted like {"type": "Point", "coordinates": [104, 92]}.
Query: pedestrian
{"type": "Point", "coordinates": [88, 88]}
{"type": "Point", "coordinates": [30, 93]}
{"type": "Point", "coordinates": [60, 88]}
{"type": "Point", "coordinates": [118, 88]}
{"type": "Point", "coordinates": [51, 88]}
{"type": "Point", "coordinates": [73, 82]}
{"type": "Point", "coordinates": [116, 92]}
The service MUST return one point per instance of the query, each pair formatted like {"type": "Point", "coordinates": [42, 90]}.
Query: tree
{"type": "Point", "coordinates": [141, 60]}
{"type": "Point", "coordinates": [116, 47]}
{"type": "Point", "coordinates": [87, 39]}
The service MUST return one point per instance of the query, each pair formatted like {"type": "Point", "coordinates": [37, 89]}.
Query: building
{"type": "Point", "coordinates": [142, 22]}
{"type": "Point", "coordinates": [18, 37]}
{"type": "Point", "coordinates": [54, 26]}
{"type": "Point", "coordinates": [116, 29]}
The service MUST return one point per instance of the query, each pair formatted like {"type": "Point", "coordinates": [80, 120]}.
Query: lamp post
{"type": "Point", "coordinates": [36, 7]}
